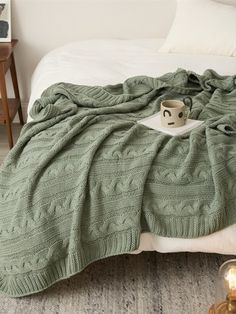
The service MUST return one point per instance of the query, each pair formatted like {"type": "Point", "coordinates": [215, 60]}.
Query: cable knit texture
{"type": "Point", "coordinates": [84, 179]}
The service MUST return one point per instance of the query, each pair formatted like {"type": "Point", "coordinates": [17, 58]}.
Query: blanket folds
{"type": "Point", "coordinates": [84, 179]}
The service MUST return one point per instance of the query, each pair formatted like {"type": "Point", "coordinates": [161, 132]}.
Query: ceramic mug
{"type": "Point", "coordinates": [174, 113]}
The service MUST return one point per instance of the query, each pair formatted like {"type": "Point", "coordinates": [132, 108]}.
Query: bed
{"type": "Point", "coordinates": [102, 62]}
{"type": "Point", "coordinates": [85, 181]}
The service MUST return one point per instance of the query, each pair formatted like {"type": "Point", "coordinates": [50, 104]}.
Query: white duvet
{"type": "Point", "coordinates": [102, 62]}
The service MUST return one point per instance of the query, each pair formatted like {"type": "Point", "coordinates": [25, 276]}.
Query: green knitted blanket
{"type": "Point", "coordinates": [84, 179]}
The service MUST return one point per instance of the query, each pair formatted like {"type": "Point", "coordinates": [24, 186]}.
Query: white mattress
{"type": "Point", "coordinates": [102, 62]}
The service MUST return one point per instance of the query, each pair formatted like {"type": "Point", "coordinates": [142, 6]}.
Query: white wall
{"type": "Point", "coordinates": [41, 25]}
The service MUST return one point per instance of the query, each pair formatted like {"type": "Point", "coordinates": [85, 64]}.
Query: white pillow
{"type": "Point", "coordinates": [202, 27]}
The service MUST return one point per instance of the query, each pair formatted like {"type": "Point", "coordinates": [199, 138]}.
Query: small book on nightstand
{"type": "Point", "coordinates": [154, 122]}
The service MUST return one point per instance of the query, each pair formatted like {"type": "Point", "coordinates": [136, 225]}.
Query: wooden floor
{"type": "Point", "coordinates": [4, 148]}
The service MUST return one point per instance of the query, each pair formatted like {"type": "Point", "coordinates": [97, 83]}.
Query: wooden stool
{"type": "Point", "coordinates": [9, 107]}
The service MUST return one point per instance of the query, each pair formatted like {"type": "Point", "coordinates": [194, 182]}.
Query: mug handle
{"type": "Point", "coordinates": [188, 103]}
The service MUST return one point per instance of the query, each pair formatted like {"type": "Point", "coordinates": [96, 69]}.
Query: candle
{"type": "Point", "coordinates": [230, 278]}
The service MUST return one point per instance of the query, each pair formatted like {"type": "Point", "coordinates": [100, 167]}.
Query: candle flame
{"type": "Point", "coordinates": [231, 278]}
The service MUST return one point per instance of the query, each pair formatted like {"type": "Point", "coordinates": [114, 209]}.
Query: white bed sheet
{"type": "Point", "coordinates": [102, 62]}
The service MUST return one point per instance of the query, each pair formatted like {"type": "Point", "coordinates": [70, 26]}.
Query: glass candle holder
{"type": "Point", "coordinates": [225, 302]}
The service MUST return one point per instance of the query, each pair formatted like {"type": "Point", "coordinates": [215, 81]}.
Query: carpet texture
{"type": "Point", "coordinates": [144, 284]}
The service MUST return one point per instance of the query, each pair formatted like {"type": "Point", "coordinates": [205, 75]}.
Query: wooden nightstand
{"type": "Point", "coordinates": [9, 106]}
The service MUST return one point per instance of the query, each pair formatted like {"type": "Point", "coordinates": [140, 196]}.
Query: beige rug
{"type": "Point", "coordinates": [143, 284]}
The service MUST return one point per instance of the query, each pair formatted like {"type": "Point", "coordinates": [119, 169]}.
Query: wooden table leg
{"type": "Point", "coordinates": [16, 88]}
{"type": "Point", "coordinates": [3, 91]}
